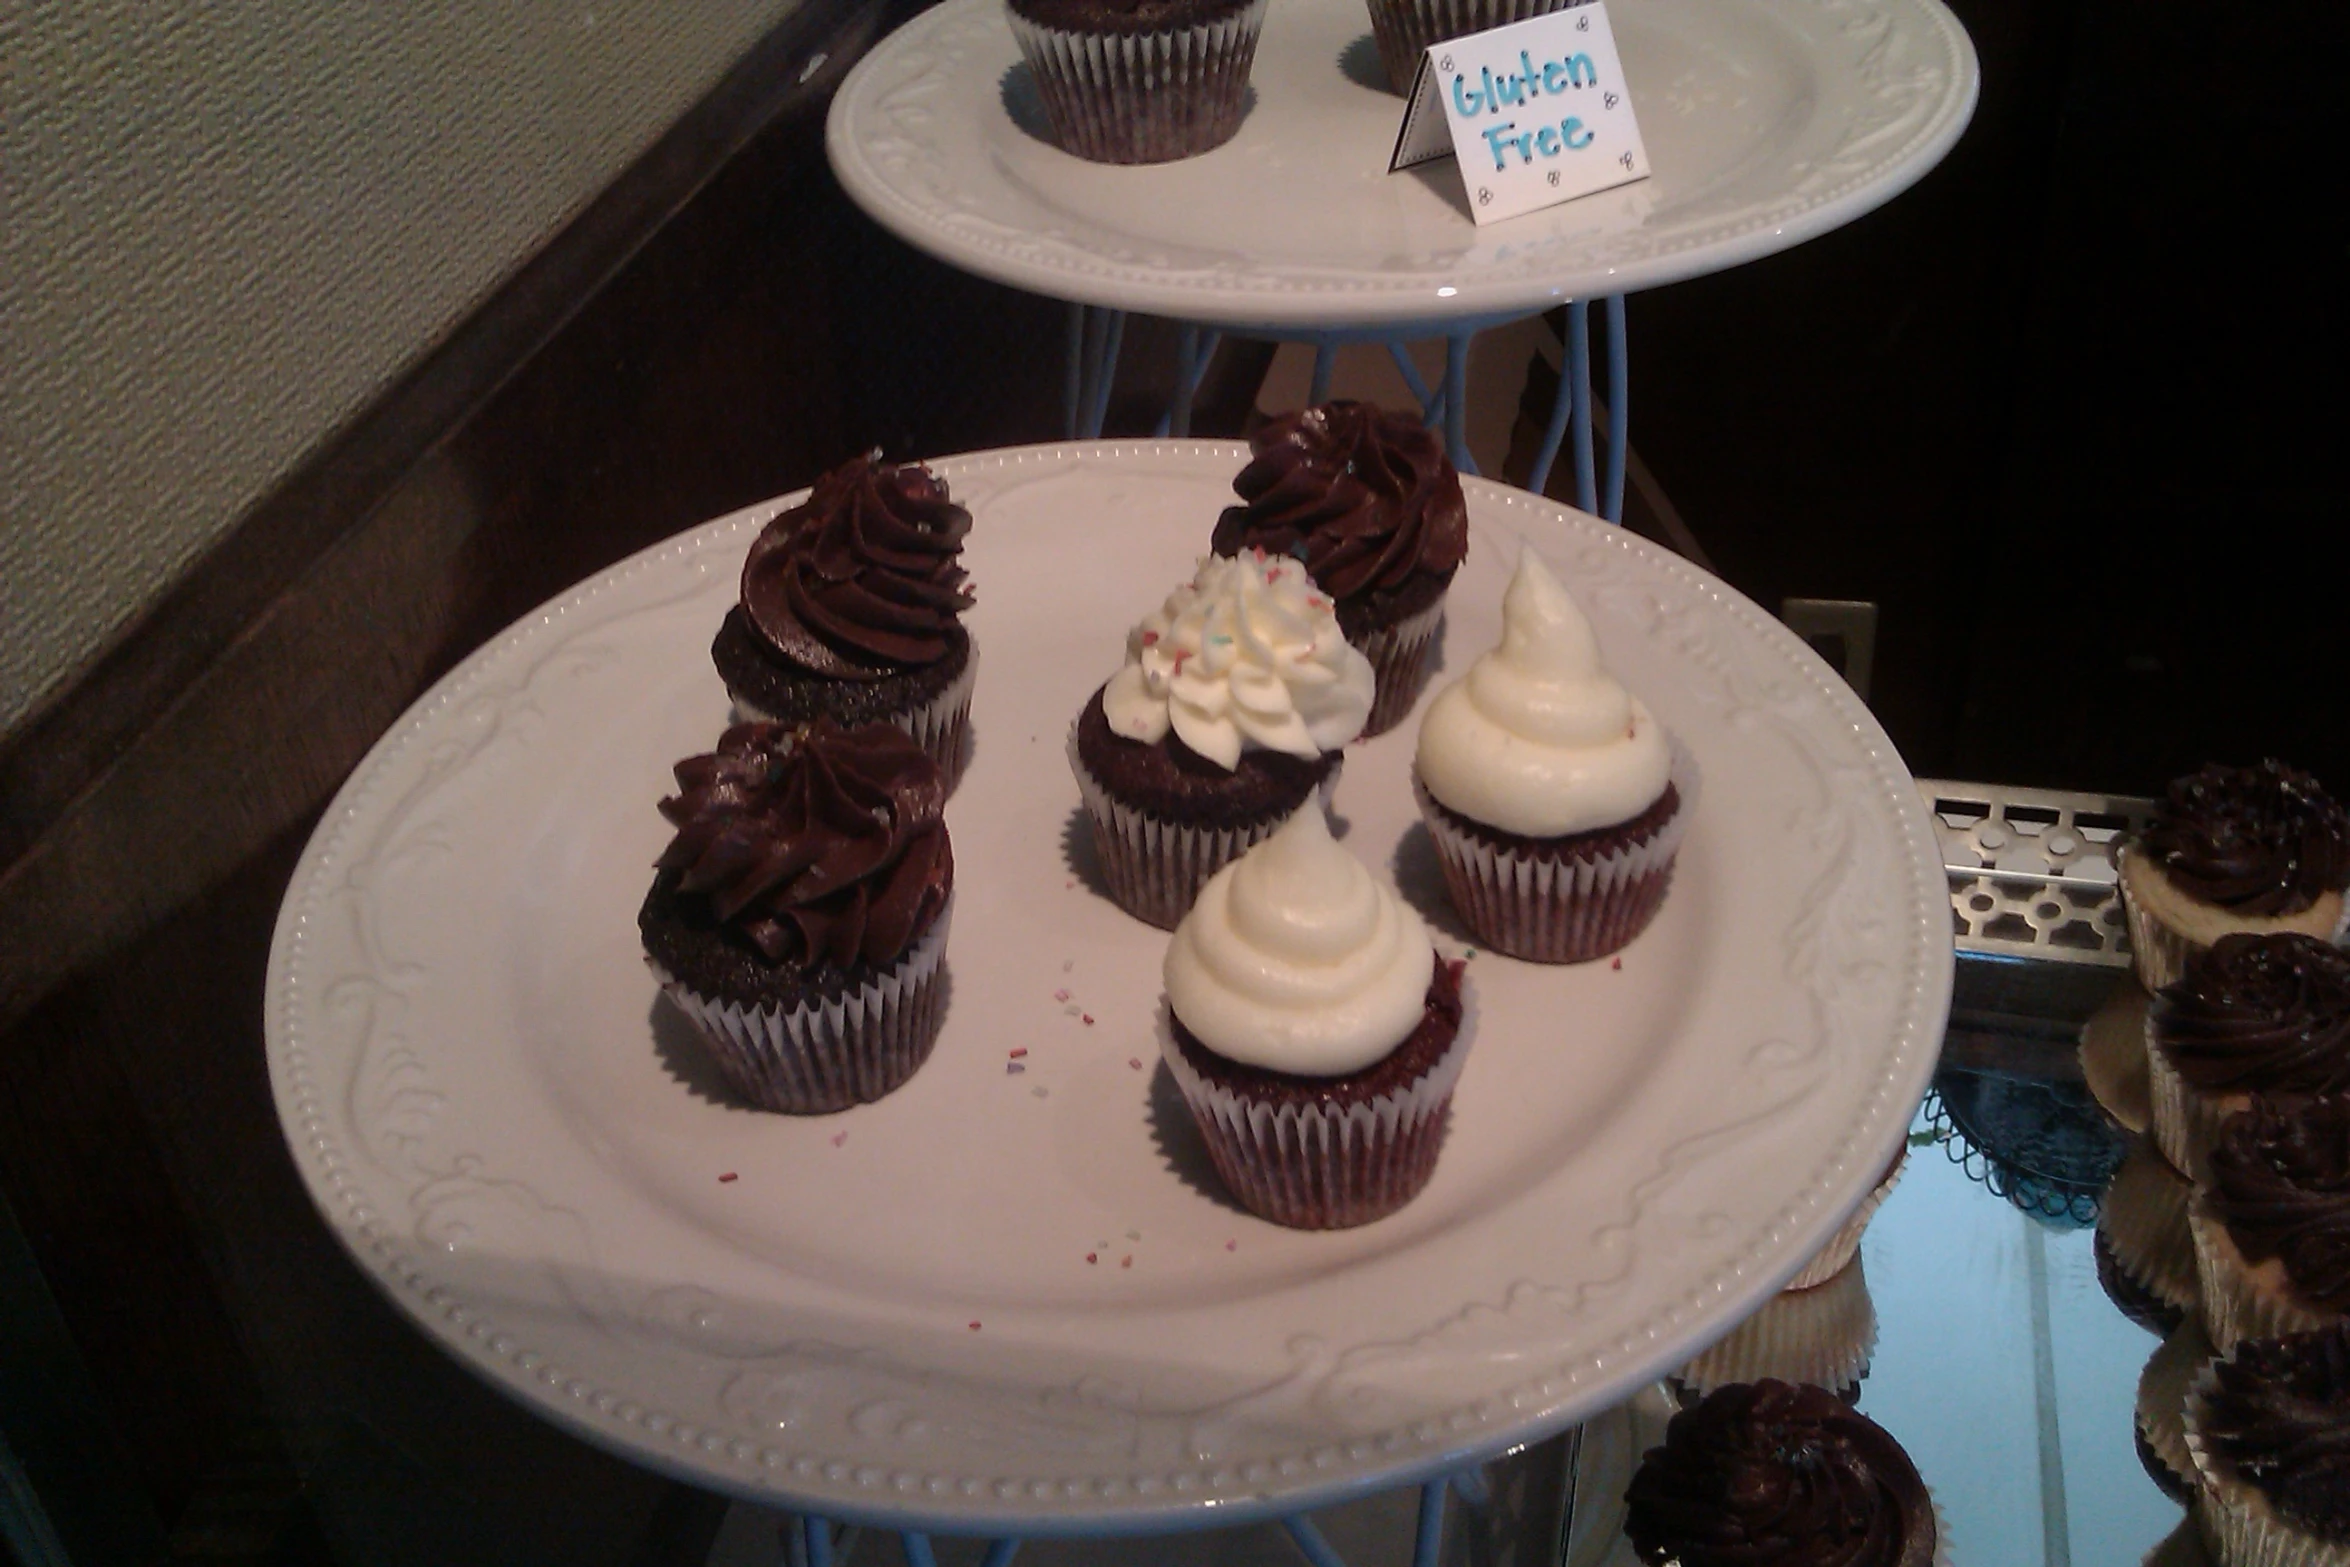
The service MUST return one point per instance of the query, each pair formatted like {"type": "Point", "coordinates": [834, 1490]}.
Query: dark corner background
{"type": "Point", "coordinates": [2062, 411]}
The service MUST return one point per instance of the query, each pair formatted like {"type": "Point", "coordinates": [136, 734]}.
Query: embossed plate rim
{"type": "Point", "coordinates": [641, 1413]}
{"type": "Point", "coordinates": [1000, 232]}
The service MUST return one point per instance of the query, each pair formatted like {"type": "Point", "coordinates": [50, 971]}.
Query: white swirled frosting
{"type": "Point", "coordinates": [1247, 653]}
{"type": "Point", "coordinates": [1537, 739]}
{"type": "Point", "coordinates": [1297, 959]}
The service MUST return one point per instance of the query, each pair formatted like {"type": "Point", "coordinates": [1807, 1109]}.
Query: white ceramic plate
{"type": "Point", "coordinates": [1013, 1299]}
{"type": "Point", "coordinates": [1767, 122]}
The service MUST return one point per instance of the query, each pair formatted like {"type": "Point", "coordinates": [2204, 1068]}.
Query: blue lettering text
{"type": "Point", "coordinates": [1572, 128]}
{"type": "Point", "coordinates": [1548, 140]}
{"type": "Point", "coordinates": [1466, 101]}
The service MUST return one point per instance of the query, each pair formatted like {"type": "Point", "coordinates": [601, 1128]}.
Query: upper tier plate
{"type": "Point", "coordinates": [1767, 122]}
{"type": "Point", "coordinates": [1007, 1299]}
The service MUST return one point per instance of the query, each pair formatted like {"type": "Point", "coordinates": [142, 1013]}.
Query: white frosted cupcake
{"type": "Point", "coordinates": [1555, 798]}
{"type": "Point", "coordinates": [1230, 711]}
{"type": "Point", "coordinates": [1314, 1032]}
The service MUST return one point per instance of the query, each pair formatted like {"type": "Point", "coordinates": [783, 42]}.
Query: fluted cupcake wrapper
{"type": "Point", "coordinates": [2143, 1218]}
{"type": "Point", "coordinates": [1560, 910]}
{"type": "Point", "coordinates": [1404, 29]}
{"type": "Point", "coordinates": [1143, 97]}
{"type": "Point", "coordinates": [1401, 656]}
{"type": "Point", "coordinates": [2113, 1056]}
{"type": "Point", "coordinates": [2234, 1309]}
{"type": "Point", "coordinates": [938, 725]}
{"type": "Point", "coordinates": [2161, 1410]}
{"type": "Point", "coordinates": [1844, 1245]}
{"type": "Point", "coordinates": [1823, 1335]}
{"type": "Point", "coordinates": [1155, 868]}
{"type": "Point", "coordinates": [826, 1056]}
{"type": "Point", "coordinates": [2239, 1526]}
{"type": "Point", "coordinates": [2187, 1121]}
{"type": "Point", "coordinates": [1315, 1168]}
{"type": "Point", "coordinates": [2159, 953]}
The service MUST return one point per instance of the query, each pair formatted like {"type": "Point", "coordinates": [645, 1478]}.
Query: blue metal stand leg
{"type": "Point", "coordinates": [1456, 402]}
{"type": "Point", "coordinates": [917, 1549]}
{"type": "Point", "coordinates": [1579, 372]}
{"type": "Point", "coordinates": [1428, 1538]}
{"type": "Point", "coordinates": [1325, 352]}
{"type": "Point", "coordinates": [1562, 404]}
{"type": "Point", "coordinates": [1000, 1554]}
{"type": "Point", "coordinates": [1104, 329]}
{"type": "Point", "coordinates": [1073, 381]}
{"type": "Point", "coordinates": [1310, 1542]}
{"type": "Point", "coordinates": [1619, 398]}
{"type": "Point", "coordinates": [1430, 407]}
{"type": "Point", "coordinates": [1192, 352]}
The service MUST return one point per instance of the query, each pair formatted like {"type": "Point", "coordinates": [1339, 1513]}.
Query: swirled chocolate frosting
{"type": "Point", "coordinates": [1366, 497]}
{"type": "Point", "coordinates": [2260, 1013]}
{"type": "Point", "coordinates": [2280, 1180]}
{"type": "Point", "coordinates": [1767, 1473]}
{"type": "Point", "coordinates": [2279, 1410]}
{"type": "Point", "coordinates": [2260, 840]}
{"type": "Point", "coordinates": [816, 845]}
{"type": "Point", "coordinates": [862, 578]}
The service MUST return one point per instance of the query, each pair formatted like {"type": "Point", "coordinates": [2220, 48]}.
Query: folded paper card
{"type": "Point", "coordinates": [1534, 113]}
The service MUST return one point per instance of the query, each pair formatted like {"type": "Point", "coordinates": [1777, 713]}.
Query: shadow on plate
{"type": "Point", "coordinates": [1419, 876]}
{"type": "Point", "coordinates": [1078, 853]}
{"type": "Point", "coordinates": [1360, 64]}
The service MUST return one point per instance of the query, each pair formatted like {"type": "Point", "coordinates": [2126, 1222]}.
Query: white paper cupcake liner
{"type": "Point", "coordinates": [1143, 97]}
{"type": "Point", "coordinates": [2235, 1308]}
{"type": "Point", "coordinates": [2169, 929]}
{"type": "Point", "coordinates": [1823, 1335]}
{"type": "Point", "coordinates": [1844, 1245]}
{"type": "Point", "coordinates": [2239, 1527]}
{"type": "Point", "coordinates": [1400, 658]}
{"type": "Point", "coordinates": [2159, 953]}
{"type": "Point", "coordinates": [1155, 868]}
{"type": "Point", "coordinates": [1312, 1167]}
{"type": "Point", "coordinates": [2161, 1410]}
{"type": "Point", "coordinates": [2187, 1121]}
{"type": "Point", "coordinates": [938, 725]}
{"type": "Point", "coordinates": [2143, 1218]}
{"type": "Point", "coordinates": [825, 1056]}
{"type": "Point", "coordinates": [1560, 910]}
{"type": "Point", "coordinates": [1404, 29]}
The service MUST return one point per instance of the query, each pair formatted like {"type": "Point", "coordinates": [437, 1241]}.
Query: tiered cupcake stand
{"type": "Point", "coordinates": [1009, 1301]}
{"type": "Point", "coordinates": [1766, 124]}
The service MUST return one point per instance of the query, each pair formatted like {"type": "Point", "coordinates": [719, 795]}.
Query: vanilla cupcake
{"type": "Point", "coordinates": [1229, 713]}
{"type": "Point", "coordinates": [1314, 1032]}
{"type": "Point", "coordinates": [2142, 1238]}
{"type": "Point", "coordinates": [2272, 1231]}
{"type": "Point", "coordinates": [1554, 797]}
{"type": "Point", "coordinates": [2235, 850]}
{"type": "Point", "coordinates": [2254, 1014]}
{"type": "Point", "coordinates": [2269, 1431]}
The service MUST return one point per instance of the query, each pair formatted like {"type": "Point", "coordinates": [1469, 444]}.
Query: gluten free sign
{"type": "Point", "coordinates": [1534, 113]}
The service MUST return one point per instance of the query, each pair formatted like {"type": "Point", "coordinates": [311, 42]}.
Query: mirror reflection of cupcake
{"type": "Point", "coordinates": [1314, 1032]}
{"type": "Point", "coordinates": [2144, 1254]}
{"type": "Point", "coordinates": [2254, 1014]}
{"type": "Point", "coordinates": [1823, 1334]}
{"type": "Point", "coordinates": [1771, 1472]}
{"type": "Point", "coordinates": [1555, 799]}
{"type": "Point", "coordinates": [1371, 504]}
{"type": "Point", "coordinates": [2272, 1231]}
{"type": "Point", "coordinates": [2265, 1429]}
{"type": "Point", "coordinates": [851, 610]}
{"type": "Point", "coordinates": [2234, 850]}
{"type": "Point", "coordinates": [799, 915]}
{"type": "Point", "coordinates": [2159, 1417]}
{"type": "Point", "coordinates": [1230, 712]}
{"type": "Point", "coordinates": [1140, 81]}
{"type": "Point", "coordinates": [2042, 1145]}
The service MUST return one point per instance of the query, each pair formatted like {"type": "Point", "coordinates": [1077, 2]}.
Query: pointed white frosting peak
{"type": "Point", "coordinates": [1538, 739]}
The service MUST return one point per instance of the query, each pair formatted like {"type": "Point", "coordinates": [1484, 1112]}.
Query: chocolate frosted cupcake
{"type": "Point", "coordinates": [1231, 709]}
{"type": "Point", "coordinates": [1314, 1032]}
{"type": "Point", "coordinates": [2145, 1255]}
{"type": "Point", "coordinates": [1769, 1472]}
{"type": "Point", "coordinates": [2255, 1014]}
{"type": "Point", "coordinates": [2159, 1417]}
{"type": "Point", "coordinates": [1368, 500]}
{"type": "Point", "coordinates": [1556, 802]}
{"type": "Point", "coordinates": [2272, 1231]}
{"type": "Point", "coordinates": [2256, 850]}
{"type": "Point", "coordinates": [1403, 29]}
{"type": "Point", "coordinates": [1140, 81]}
{"type": "Point", "coordinates": [800, 914]}
{"type": "Point", "coordinates": [2269, 1431]}
{"type": "Point", "coordinates": [850, 611]}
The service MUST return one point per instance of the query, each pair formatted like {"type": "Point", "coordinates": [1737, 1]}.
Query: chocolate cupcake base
{"type": "Point", "coordinates": [825, 1053]}
{"type": "Point", "coordinates": [1328, 1154]}
{"type": "Point", "coordinates": [1402, 658]}
{"type": "Point", "coordinates": [932, 704]}
{"type": "Point", "coordinates": [1144, 96]}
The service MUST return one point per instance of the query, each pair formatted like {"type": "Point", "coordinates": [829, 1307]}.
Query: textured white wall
{"type": "Point", "coordinates": [224, 228]}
